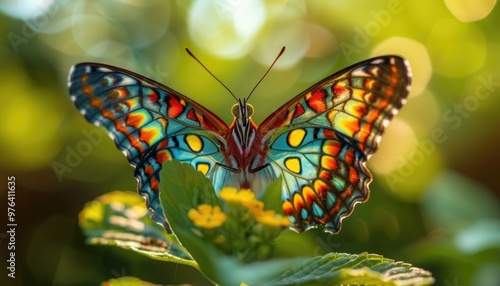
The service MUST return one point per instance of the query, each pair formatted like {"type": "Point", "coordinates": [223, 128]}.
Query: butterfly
{"type": "Point", "coordinates": [318, 142]}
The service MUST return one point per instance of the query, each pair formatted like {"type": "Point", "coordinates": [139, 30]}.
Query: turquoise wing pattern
{"type": "Point", "coordinates": [149, 123]}
{"type": "Point", "coordinates": [320, 140]}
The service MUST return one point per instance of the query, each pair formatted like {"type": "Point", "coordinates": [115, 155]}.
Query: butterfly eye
{"type": "Point", "coordinates": [235, 110]}
{"type": "Point", "coordinates": [249, 110]}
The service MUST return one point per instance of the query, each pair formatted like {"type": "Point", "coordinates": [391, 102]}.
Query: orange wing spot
{"type": "Point", "coordinates": [325, 175]}
{"type": "Point", "coordinates": [107, 114]}
{"type": "Point", "coordinates": [371, 84]}
{"type": "Point", "coordinates": [87, 89]}
{"type": "Point", "coordinates": [370, 97]}
{"type": "Point", "coordinates": [382, 104]}
{"type": "Point", "coordinates": [373, 115]}
{"type": "Point", "coordinates": [120, 92]}
{"type": "Point", "coordinates": [329, 163]}
{"type": "Point", "coordinates": [147, 135]}
{"type": "Point", "coordinates": [163, 144]}
{"type": "Point", "coordinates": [135, 120]}
{"type": "Point", "coordinates": [329, 134]}
{"type": "Point", "coordinates": [135, 143]}
{"type": "Point", "coordinates": [154, 184]}
{"type": "Point", "coordinates": [394, 79]}
{"type": "Point", "coordinates": [153, 96]}
{"type": "Point", "coordinates": [175, 107]}
{"type": "Point", "coordinates": [364, 133]}
{"type": "Point", "coordinates": [95, 102]}
{"type": "Point", "coordinates": [130, 103]}
{"type": "Point", "coordinates": [298, 202]}
{"type": "Point", "coordinates": [163, 156]}
{"type": "Point", "coordinates": [389, 91]}
{"type": "Point", "coordinates": [149, 170]}
{"type": "Point", "coordinates": [353, 176]}
{"type": "Point", "coordinates": [317, 101]}
{"type": "Point", "coordinates": [339, 88]}
{"type": "Point", "coordinates": [332, 147]}
{"type": "Point", "coordinates": [349, 156]}
{"type": "Point", "coordinates": [85, 77]}
{"type": "Point", "coordinates": [287, 208]}
{"type": "Point", "coordinates": [192, 115]}
{"type": "Point", "coordinates": [350, 125]}
{"type": "Point", "coordinates": [359, 109]}
{"type": "Point", "coordinates": [321, 188]}
{"type": "Point", "coordinates": [309, 195]}
{"type": "Point", "coordinates": [298, 110]}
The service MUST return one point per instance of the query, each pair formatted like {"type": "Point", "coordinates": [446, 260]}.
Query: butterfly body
{"type": "Point", "coordinates": [318, 142]}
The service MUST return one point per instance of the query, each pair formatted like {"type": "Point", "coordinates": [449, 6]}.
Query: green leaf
{"type": "Point", "coordinates": [272, 196]}
{"type": "Point", "coordinates": [183, 188]}
{"type": "Point", "coordinates": [121, 219]}
{"type": "Point", "coordinates": [129, 281]}
{"type": "Point", "coordinates": [350, 269]}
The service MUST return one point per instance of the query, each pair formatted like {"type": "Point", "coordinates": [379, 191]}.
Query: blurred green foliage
{"type": "Point", "coordinates": [435, 197]}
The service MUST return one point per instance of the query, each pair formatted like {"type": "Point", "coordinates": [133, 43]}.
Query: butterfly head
{"type": "Point", "coordinates": [242, 111]}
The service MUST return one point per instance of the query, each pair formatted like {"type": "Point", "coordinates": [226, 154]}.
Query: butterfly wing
{"type": "Point", "coordinates": [149, 123]}
{"type": "Point", "coordinates": [320, 140]}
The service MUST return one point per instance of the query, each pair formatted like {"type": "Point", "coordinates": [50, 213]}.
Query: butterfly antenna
{"type": "Point", "coordinates": [194, 57]}
{"type": "Point", "coordinates": [268, 70]}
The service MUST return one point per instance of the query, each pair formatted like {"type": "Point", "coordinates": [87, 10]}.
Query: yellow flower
{"type": "Point", "coordinates": [270, 218]}
{"type": "Point", "coordinates": [207, 216]}
{"type": "Point", "coordinates": [255, 207]}
{"type": "Point", "coordinates": [231, 195]}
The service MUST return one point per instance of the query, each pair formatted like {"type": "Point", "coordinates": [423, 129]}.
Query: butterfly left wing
{"type": "Point", "coordinates": [149, 123]}
{"type": "Point", "coordinates": [320, 140]}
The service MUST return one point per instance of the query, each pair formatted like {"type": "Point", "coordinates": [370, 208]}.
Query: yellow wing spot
{"type": "Point", "coordinates": [203, 167]}
{"type": "Point", "coordinates": [194, 142]}
{"type": "Point", "coordinates": [293, 164]}
{"type": "Point", "coordinates": [295, 137]}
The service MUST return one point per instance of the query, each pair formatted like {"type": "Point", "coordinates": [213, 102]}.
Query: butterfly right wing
{"type": "Point", "coordinates": [320, 140]}
{"type": "Point", "coordinates": [149, 123]}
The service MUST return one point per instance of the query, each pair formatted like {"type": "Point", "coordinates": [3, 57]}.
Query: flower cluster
{"type": "Point", "coordinates": [243, 228]}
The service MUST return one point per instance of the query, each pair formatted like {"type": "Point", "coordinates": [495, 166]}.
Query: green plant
{"type": "Point", "coordinates": [230, 238]}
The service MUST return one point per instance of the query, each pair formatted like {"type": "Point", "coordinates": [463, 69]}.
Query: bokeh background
{"type": "Point", "coordinates": [435, 196]}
